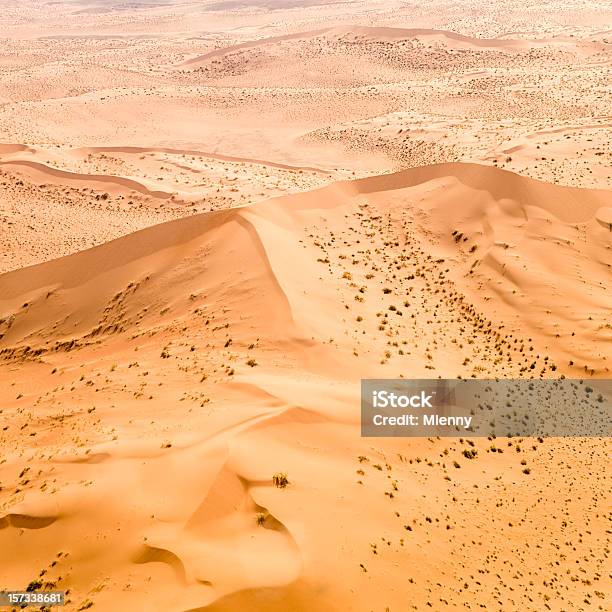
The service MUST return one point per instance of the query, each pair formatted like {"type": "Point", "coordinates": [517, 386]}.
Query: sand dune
{"type": "Point", "coordinates": [251, 44]}
{"type": "Point", "coordinates": [11, 149]}
{"type": "Point", "coordinates": [40, 172]}
{"type": "Point", "coordinates": [217, 218]}
{"type": "Point", "coordinates": [503, 215]}
{"type": "Point", "coordinates": [261, 367]}
{"type": "Point", "coordinates": [389, 33]}
{"type": "Point", "coordinates": [453, 39]}
{"type": "Point", "coordinates": [569, 204]}
{"type": "Point", "coordinates": [80, 197]}
{"type": "Point", "coordinates": [8, 149]}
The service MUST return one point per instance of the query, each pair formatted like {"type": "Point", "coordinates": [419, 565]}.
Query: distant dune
{"type": "Point", "coordinates": [37, 170]}
{"type": "Point", "coordinates": [383, 34]}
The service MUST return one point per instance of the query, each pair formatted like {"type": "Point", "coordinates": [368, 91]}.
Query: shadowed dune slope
{"type": "Point", "coordinates": [82, 295]}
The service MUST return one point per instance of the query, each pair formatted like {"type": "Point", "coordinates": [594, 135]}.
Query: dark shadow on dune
{"type": "Point", "coordinates": [152, 554]}
{"type": "Point", "coordinates": [25, 521]}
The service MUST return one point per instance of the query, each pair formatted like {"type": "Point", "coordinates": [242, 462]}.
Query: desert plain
{"type": "Point", "coordinates": [217, 217]}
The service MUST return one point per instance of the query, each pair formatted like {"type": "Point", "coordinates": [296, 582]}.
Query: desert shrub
{"type": "Point", "coordinates": [280, 480]}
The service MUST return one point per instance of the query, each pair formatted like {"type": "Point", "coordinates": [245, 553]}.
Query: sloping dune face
{"type": "Point", "coordinates": [159, 381]}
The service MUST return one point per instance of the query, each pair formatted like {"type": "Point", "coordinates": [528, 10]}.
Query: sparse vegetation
{"type": "Point", "coordinates": [280, 480]}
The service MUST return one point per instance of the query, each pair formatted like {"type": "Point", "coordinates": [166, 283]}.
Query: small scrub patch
{"type": "Point", "coordinates": [280, 480]}
{"type": "Point", "coordinates": [35, 585]}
